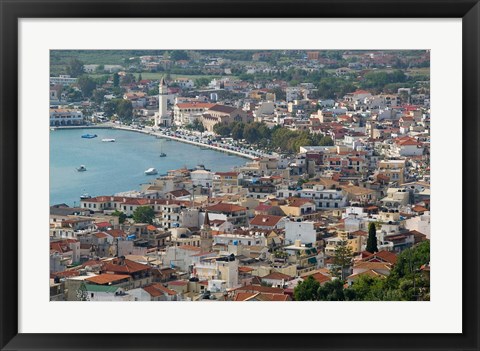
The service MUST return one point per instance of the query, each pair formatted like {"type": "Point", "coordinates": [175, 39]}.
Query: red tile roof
{"type": "Point", "coordinates": [244, 296]}
{"type": "Point", "coordinates": [156, 290]}
{"type": "Point", "coordinates": [385, 256]}
{"type": "Point", "coordinates": [225, 207]}
{"type": "Point", "coordinates": [104, 279]}
{"type": "Point", "coordinates": [116, 233]}
{"type": "Point", "coordinates": [203, 105]}
{"type": "Point", "coordinates": [103, 224]}
{"type": "Point", "coordinates": [260, 288]}
{"type": "Point", "coordinates": [127, 266]}
{"type": "Point", "coordinates": [265, 220]}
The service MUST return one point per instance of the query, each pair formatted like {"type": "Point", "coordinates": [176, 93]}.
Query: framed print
{"type": "Point", "coordinates": [201, 156]}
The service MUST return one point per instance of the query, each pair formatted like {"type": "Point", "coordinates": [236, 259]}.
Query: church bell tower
{"type": "Point", "coordinates": [163, 119]}
{"type": "Point", "coordinates": [206, 239]}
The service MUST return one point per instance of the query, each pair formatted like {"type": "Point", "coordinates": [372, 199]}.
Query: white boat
{"type": "Point", "coordinates": [85, 196]}
{"type": "Point", "coordinates": [82, 168]}
{"type": "Point", "coordinates": [107, 140]}
{"type": "Point", "coordinates": [151, 171]}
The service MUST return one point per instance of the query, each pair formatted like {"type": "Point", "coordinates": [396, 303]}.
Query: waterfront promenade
{"type": "Point", "coordinates": [159, 134]}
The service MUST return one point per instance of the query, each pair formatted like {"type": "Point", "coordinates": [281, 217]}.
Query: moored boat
{"type": "Point", "coordinates": [82, 168]}
{"type": "Point", "coordinates": [163, 154]}
{"type": "Point", "coordinates": [85, 196]}
{"type": "Point", "coordinates": [89, 136]}
{"type": "Point", "coordinates": [151, 171]}
{"type": "Point", "coordinates": [108, 140]}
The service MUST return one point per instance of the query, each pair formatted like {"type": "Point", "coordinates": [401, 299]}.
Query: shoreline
{"type": "Point", "coordinates": [160, 135]}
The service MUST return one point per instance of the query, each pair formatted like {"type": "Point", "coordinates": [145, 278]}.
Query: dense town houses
{"type": "Point", "coordinates": [350, 177]}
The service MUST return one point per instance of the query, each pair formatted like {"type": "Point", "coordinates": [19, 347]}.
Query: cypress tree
{"type": "Point", "coordinates": [372, 238]}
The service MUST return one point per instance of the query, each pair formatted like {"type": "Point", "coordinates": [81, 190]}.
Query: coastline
{"type": "Point", "coordinates": [160, 135]}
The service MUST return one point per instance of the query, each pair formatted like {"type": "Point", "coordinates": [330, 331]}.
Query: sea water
{"type": "Point", "coordinates": [119, 166]}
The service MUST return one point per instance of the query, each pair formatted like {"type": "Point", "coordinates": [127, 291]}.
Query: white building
{"type": "Point", "coordinates": [217, 269]}
{"type": "Point", "coordinates": [245, 240]}
{"type": "Point", "coordinates": [202, 178]}
{"type": "Point", "coordinates": [63, 80]}
{"type": "Point", "coordinates": [184, 82]}
{"type": "Point", "coordinates": [187, 112]}
{"type": "Point", "coordinates": [420, 224]}
{"type": "Point", "coordinates": [293, 93]}
{"type": "Point", "coordinates": [324, 198]}
{"type": "Point", "coordinates": [303, 231]}
{"type": "Point", "coordinates": [106, 293]}
{"type": "Point", "coordinates": [65, 117]}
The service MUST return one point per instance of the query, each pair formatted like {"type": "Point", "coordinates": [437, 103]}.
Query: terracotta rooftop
{"type": "Point", "coordinates": [265, 220]}
{"type": "Point", "coordinates": [225, 207]}
{"type": "Point", "coordinates": [104, 279]}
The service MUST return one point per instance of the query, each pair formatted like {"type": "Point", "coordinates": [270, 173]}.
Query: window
{"type": "Point", "coordinates": [91, 295]}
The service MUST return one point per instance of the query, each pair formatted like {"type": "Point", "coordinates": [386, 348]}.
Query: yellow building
{"type": "Point", "coordinates": [393, 169]}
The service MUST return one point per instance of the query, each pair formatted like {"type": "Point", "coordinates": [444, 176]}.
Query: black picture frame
{"type": "Point", "coordinates": [12, 11]}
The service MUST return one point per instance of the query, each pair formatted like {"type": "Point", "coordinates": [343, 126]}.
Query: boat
{"type": "Point", "coordinates": [204, 148]}
{"type": "Point", "coordinates": [52, 129]}
{"type": "Point", "coordinates": [151, 171]}
{"type": "Point", "coordinates": [201, 167]}
{"type": "Point", "coordinates": [82, 168]}
{"type": "Point", "coordinates": [107, 140]}
{"type": "Point", "coordinates": [89, 136]}
{"type": "Point", "coordinates": [85, 196]}
{"type": "Point", "coordinates": [163, 154]}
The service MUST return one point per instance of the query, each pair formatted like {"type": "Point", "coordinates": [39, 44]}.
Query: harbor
{"type": "Point", "coordinates": [159, 134]}
{"type": "Point", "coordinates": [119, 166]}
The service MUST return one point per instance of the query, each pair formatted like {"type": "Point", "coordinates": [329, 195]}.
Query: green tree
{"type": "Point", "coordinates": [87, 85]}
{"type": "Point", "coordinates": [140, 77]}
{"type": "Point", "coordinates": [237, 131]}
{"type": "Point", "coordinates": [201, 82]}
{"type": "Point", "coordinates": [116, 80]}
{"type": "Point", "coordinates": [331, 291]}
{"type": "Point", "coordinates": [307, 290]}
{"type": "Point", "coordinates": [222, 129]}
{"type": "Point", "coordinates": [121, 216]}
{"type": "Point", "coordinates": [197, 125]}
{"type": "Point", "coordinates": [110, 108]}
{"type": "Point", "coordinates": [143, 214]}
{"type": "Point", "coordinates": [342, 260]}
{"type": "Point", "coordinates": [128, 79]}
{"type": "Point", "coordinates": [124, 110]}
{"type": "Point", "coordinates": [372, 238]}
{"type": "Point", "coordinates": [251, 133]}
{"type": "Point", "coordinates": [98, 95]}
{"type": "Point", "coordinates": [75, 68]}
{"type": "Point", "coordinates": [326, 141]}
{"type": "Point", "coordinates": [367, 288]}
{"type": "Point", "coordinates": [279, 93]}
{"type": "Point", "coordinates": [407, 281]}
{"type": "Point", "coordinates": [178, 55]}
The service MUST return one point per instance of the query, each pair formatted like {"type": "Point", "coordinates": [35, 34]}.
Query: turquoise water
{"type": "Point", "coordinates": [119, 166]}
